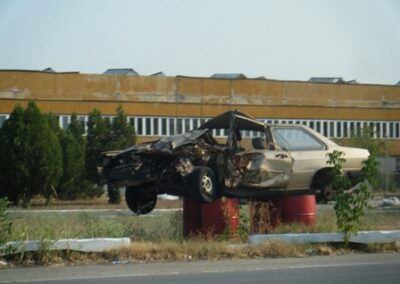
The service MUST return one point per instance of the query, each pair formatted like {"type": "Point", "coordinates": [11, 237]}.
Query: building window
{"type": "Point", "coordinates": [155, 126]}
{"type": "Point", "coordinates": [131, 121]}
{"type": "Point", "coordinates": [139, 126]}
{"type": "Point", "coordinates": [65, 120]}
{"type": "Point", "coordinates": [147, 126]}
{"type": "Point", "coordinates": [179, 127]}
{"type": "Point", "coordinates": [187, 125]}
{"type": "Point", "coordinates": [311, 124]}
{"type": "Point", "coordinates": [338, 131]}
{"type": "Point", "coordinates": [172, 126]}
{"type": "Point", "coordinates": [3, 118]}
{"type": "Point", "coordinates": [345, 130]}
{"type": "Point", "coordinates": [164, 126]}
{"type": "Point", "coordinates": [318, 126]}
{"type": "Point", "coordinates": [384, 130]}
{"type": "Point", "coordinates": [325, 129]}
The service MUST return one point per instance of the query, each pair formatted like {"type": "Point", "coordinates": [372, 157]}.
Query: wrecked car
{"type": "Point", "coordinates": [274, 160]}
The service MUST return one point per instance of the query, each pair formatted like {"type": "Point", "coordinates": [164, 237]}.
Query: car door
{"type": "Point", "coordinates": [270, 167]}
{"type": "Point", "coordinates": [308, 153]}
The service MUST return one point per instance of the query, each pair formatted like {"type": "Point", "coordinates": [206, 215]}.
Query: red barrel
{"type": "Point", "coordinates": [191, 217]}
{"type": "Point", "coordinates": [220, 216]}
{"type": "Point", "coordinates": [299, 209]}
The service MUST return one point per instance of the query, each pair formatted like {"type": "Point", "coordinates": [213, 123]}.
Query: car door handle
{"type": "Point", "coordinates": [281, 156]}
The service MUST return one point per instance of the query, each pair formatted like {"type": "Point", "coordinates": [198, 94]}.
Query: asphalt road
{"type": "Point", "coordinates": [358, 268]}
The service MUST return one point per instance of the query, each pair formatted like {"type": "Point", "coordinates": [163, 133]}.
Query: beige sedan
{"type": "Point", "coordinates": [247, 159]}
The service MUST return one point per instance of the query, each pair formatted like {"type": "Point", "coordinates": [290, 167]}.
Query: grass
{"type": "Point", "coordinates": [95, 203]}
{"type": "Point", "coordinates": [159, 238]}
{"type": "Point", "coordinates": [38, 226]}
{"type": "Point", "coordinates": [160, 227]}
{"type": "Point", "coordinates": [192, 250]}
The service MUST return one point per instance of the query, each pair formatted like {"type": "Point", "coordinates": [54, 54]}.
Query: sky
{"type": "Point", "coordinates": [284, 40]}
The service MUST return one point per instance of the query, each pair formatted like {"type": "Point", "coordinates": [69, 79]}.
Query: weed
{"type": "Point", "coordinates": [244, 223]}
{"type": "Point", "coordinates": [264, 216]}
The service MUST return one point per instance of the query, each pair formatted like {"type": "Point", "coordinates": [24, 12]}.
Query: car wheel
{"type": "Point", "coordinates": [328, 193]}
{"type": "Point", "coordinates": [138, 202]}
{"type": "Point", "coordinates": [324, 189]}
{"type": "Point", "coordinates": [203, 184]}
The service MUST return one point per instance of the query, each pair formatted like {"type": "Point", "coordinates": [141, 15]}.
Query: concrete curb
{"type": "Point", "coordinates": [84, 245]}
{"type": "Point", "coordinates": [363, 237]}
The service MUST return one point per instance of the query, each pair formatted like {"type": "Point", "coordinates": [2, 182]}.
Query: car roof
{"type": "Point", "coordinates": [241, 121]}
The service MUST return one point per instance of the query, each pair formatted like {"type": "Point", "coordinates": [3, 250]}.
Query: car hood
{"type": "Point", "coordinates": [168, 144]}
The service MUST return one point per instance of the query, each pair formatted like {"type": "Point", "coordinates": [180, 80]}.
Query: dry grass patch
{"type": "Point", "coordinates": [202, 250]}
{"type": "Point", "coordinates": [192, 250]}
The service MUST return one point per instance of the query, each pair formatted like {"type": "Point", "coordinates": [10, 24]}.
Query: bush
{"type": "Point", "coordinates": [351, 204]}
{"type": "Point", "coordinates": [30, 156]}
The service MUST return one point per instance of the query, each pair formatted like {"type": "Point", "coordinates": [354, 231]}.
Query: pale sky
{"type": "Point", "coordinates": [285, 40]}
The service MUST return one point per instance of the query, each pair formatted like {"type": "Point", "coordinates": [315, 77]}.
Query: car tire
{"type": "Point", "coordinates": [203, 184]}
{"type": "Point", "coordinates": [138, 202]}
{"type": "Point", "coordinates": [324, 189]}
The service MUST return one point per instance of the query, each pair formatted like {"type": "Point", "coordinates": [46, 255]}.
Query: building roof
{"type": "Point", "coordinates": [158, 74]}
{"type": "Point", "coordinates": [260, 78]}
{"type": "Point", "coordinates": [229, 76]}
{"type": "Point", "coordinates": [49, 70]}
{"type": "Point", "coordinates": [334, 80]}
{"type": "Point", "coordinates": [121, 71]}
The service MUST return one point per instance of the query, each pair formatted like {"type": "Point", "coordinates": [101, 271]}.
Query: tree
{"type": "Point", "coordinates": [73, 155]}
{"type": "Point", "coordinates": [30, 156]}
{"type": "Point", "coordinates": [42, 157]}
{"type": "Point", "coordinates": [104, 135]}
{"type": "Point", "coordinates": [97, 135]}
{"type": "Point", "coordinates": [96, 139]}
{"type": "Point", "coordinates": [122, 135]}
{"type": "Point", "coordinates": [13, 171]}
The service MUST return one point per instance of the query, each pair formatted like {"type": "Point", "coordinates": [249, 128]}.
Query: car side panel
{"type": "Point", "coordinates": [305, 165]}
{"type": "Point", "coordinates": [268, 169]}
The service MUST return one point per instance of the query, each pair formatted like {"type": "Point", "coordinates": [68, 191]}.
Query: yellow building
{"type": "Point", "coordinates": [160, 105]}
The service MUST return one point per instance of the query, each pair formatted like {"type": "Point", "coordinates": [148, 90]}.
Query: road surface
{"type": "Point", "coordinates": [358, 268]}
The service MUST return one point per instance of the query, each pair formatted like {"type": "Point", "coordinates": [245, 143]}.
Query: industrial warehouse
{"type": "Point", "coordinates": [160, 105]}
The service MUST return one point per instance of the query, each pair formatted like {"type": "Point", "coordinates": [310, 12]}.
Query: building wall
{"type": "Point", "coordinates": [60, 93]}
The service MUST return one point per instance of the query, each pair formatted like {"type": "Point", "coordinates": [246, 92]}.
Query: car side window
{"type": "Point", "coordinates": [296, 139]}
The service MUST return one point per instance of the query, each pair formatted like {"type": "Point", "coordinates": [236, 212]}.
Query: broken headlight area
{"type": "Point", "coordinates": [235, 168]}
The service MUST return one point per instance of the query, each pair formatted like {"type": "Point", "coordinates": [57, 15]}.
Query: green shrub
{"type": "Point", "coordinates": [351, 204]}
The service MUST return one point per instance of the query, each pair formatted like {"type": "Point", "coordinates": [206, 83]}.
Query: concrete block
{"type": "Point", "coordinates": [363, 237]}
{"type": "Point", "coordinates": [84, 245]}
